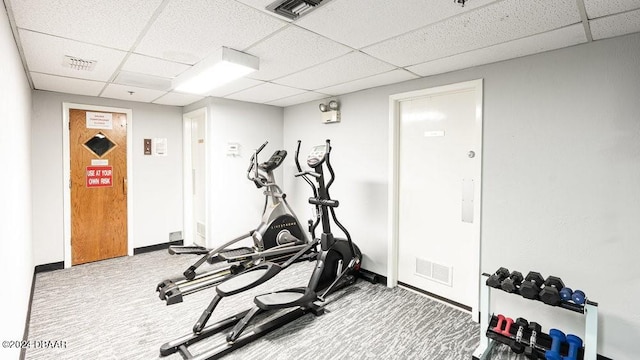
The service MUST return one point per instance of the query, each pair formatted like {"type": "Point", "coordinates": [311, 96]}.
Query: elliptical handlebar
{"type": "Point", "coordinates": [329, 167]}
{"type": "Point", "coordinates": [253, 162]}
{"type": "Point", "coordinates": [297, 155]}
{"type": "Point", "coordinates": [262, 147]}
{"type": "Point", "coordinates": [328, 202]}
{"type": "Point", "coordinates": [304, 174]}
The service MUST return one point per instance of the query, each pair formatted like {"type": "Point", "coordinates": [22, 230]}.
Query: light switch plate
{"type": "Point", "coordinates": [147, 146]}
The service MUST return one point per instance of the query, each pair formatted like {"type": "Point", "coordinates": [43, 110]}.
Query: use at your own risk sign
{"type": "Point", "coordinates": [99, 176]}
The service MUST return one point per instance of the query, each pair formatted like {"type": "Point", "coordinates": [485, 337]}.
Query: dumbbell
{"type": "Point", "coordinates": [512, 283]}
{"type": "Point", "coordinates": [507, 327]}
{"type": "Point", "coordinates": [557, 338]}
{"type": "Point", "coordinates": [530, 287]}
{"type": "Point", "coordinates": [496, 279]}
{"type": "Point", "coordinates": [517, 346]}
{"type": "Point", "coordinates": [550, 294]}
{"type": "Point", "coordinates": [575, 343]}
{"type": "Point", "coordinates": [498, 327]}
{"type": "Point", "coordinates": [577, 296]}
{"type": "Point", "coordinates": [530, 351]}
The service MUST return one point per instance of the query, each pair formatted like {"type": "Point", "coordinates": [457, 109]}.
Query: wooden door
{"type": "Point", "coordinates": [98, 154]}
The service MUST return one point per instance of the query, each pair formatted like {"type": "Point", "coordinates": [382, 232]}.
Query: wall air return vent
{"type": "Point", "coordinates": [293, 9]}
{"type": "Point", "coordinates": [434, 271]}
{"type": "Point", "coordinates": [76, 63]}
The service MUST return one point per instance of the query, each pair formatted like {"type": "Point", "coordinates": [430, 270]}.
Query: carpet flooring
{"type": "Point", "coordinates": [109, 310]}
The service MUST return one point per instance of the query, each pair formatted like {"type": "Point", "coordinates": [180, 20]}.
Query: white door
{"type": "Point", "coordinates": [198, 167]}
{"type": "Point", "coordinates": [194, 170]}
{"type": "Point", "coordinates": [439, 172]}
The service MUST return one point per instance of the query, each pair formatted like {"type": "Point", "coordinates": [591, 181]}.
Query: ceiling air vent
{"type": "Point", "coordinates": [78, 64]}
{"type": "Point", "coordinates": [293, 9]}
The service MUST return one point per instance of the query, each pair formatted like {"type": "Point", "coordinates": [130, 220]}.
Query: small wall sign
{"type": "Point", "coordinates": [99, 176]}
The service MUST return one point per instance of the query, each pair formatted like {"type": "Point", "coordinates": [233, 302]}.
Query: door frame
{"type": "Point", "coordinates": [66, 174]}
{"type": "Point", "coordinates": [394, 173]}
{"type": "Point", "coordinates": [187, 159]}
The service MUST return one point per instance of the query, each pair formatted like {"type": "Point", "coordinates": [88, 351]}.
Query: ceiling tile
{"type": "Point", "coordinates": [369, 22]}
{"type": "Point", "coordinates": [189, 30]}
{"type": "Point", "coordinates": [235, 86]}
{"type": "Point", "coordinates": [391, 77]}
{"type": "Point", "coordinates": [264, 93]}
{"type": "Point", "coordinates": [298, 99]}
{"type": "Point", "coordinates": [113, 23]}
{"type": "Point", "coordinates": [152, 66]}
{"type": "Point", "coordinates": [352, 66]}
{"type": "Point", "coordinates": [66, 85]}
{"type": "Point", "coordinates": [598, 8]}
{"type": "Point", "coordinates": [292, 50]}
{"type": "Point", "coordinates": [45, 54]}
{"type": "Point", "coordinates": [615, 25]}
{"type": "Point", "coordinates": [551, 40]}
{"type": "Point", "coordinates": [143, 80]}
{"type": "Point", "coordinates": [116, 91]}
{"type": "Point", "coordinates": [503, 21]}
{"type": "Point", "coordinates": [177, 99]}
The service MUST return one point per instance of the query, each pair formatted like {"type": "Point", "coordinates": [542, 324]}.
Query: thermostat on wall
{"type": "Point", "coordinates": [233, 149]}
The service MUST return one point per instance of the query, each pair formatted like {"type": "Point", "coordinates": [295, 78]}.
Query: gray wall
{"type": "Point", "coordinates": [16, 257]}
{"type": "Point", "coordinates": [157, 181]}
{"type": "Point", "coordinates": [560, 176]}
{"type": "Point", "coordinates": [235, 205]}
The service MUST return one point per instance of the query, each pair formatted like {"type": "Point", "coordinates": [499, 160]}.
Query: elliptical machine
{"type": "Point", "coordinates": [338, 263]}
{"type": "Point", "coordinates": [278, 236]}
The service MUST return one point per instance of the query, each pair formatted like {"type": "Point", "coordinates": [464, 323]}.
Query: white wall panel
{"type": "Point", "coordinates": [16, 257]}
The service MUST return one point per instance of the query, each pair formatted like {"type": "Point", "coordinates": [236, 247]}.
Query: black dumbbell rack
{"type": "Point", "coordinates": [488, 338]}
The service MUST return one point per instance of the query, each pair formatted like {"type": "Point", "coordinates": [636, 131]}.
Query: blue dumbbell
{"type": "Point", "coordinates": [565, 293]}
{"type": "Point", "coordinates": [557, 338]}
{"type": "Point", "coordinates": [575, 343]}
{"type": "Point", "coordinates": [577, 296]}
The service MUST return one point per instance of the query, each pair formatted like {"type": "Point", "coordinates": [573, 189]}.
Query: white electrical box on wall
{"type": "Point", "coordinates": [332, 116]}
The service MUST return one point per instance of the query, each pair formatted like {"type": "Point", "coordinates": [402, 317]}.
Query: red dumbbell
{"type": "Point", "coordinates": [498, 327]}
{"type": "Point", "coordinates": [507, 327]}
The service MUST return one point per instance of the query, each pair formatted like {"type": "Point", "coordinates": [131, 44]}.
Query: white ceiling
{"type": "Point", "coordinates": [340, 47]}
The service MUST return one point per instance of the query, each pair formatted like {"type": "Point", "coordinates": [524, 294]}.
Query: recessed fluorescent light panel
{"type": "Point", "coordinates": [216, 70]}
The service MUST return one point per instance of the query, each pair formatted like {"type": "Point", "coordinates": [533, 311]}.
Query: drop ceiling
{"type": "Point", "coordinates": [342, 46]}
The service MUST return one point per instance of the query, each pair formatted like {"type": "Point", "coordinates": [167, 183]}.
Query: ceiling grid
{"type": "Point", "coordinates": [340, 47]}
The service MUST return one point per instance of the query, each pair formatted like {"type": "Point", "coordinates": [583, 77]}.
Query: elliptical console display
{"type": "Point", "coordinates": [317, 155]}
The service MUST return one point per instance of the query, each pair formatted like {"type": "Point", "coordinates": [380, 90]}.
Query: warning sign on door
{"type": "Point", "coordinates": [99, 176]}
{"type": "Point", "coordinates": [96, 120]}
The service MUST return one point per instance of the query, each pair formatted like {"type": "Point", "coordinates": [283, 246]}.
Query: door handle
{"type": "Point", "coordinates": [467, 200]}
{"type": "Point", "coordinates": [124, 186]}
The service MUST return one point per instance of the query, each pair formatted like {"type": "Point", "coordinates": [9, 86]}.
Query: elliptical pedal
{"type": "Point", "coordinates": [235, 254]}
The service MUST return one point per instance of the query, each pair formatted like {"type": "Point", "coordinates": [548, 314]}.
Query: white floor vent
{"type": "Point", "coordinates": [434, 271]}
